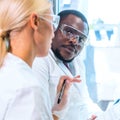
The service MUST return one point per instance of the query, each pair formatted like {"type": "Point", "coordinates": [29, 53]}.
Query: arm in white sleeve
{"type": "Point", "coordinates": [29, 104]}
{"type": "Point", "coordinates": [42, 71]}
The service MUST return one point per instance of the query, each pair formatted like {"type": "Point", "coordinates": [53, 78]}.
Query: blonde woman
{"type": "Point", "coordinates": [26, 30]}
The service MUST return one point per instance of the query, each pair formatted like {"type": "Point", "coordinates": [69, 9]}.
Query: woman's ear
{"type": "Point", "coordinates": [34, 21]}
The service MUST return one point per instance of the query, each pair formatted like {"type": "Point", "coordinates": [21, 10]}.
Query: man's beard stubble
{"type": "Point", "coordinates": [59, 56]}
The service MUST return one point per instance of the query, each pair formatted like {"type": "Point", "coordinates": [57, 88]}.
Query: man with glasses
{"type": "Point", "coordinates": [64, 59]}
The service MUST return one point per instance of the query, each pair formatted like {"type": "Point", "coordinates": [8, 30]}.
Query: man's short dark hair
{"type": "Point", "coordinates": [65, 13]}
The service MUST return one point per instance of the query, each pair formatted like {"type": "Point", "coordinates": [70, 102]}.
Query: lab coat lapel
{"type": "Point", "coordinates": [65, 69]}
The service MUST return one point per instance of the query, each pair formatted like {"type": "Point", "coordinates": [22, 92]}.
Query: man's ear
{"type": "Point", "coordinates": [34, 21]}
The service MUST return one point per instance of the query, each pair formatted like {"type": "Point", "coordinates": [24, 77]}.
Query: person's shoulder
{"type": "Point", "coordinates": [40, 60]}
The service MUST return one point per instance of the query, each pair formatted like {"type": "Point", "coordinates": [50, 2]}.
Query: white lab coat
{"type": "Point", "coordinates": [50, 69]}
{"type": "Point", "coordinates": [22, 96]}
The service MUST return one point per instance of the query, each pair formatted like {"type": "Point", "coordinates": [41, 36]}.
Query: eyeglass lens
{"type": "Point", "coordinates": [71, 33]}
{"type": "Point", "coordinates": [55, 20]}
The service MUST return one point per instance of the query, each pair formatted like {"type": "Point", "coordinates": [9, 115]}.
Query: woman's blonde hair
{"type": "Point", "coordinates": [14, 14]}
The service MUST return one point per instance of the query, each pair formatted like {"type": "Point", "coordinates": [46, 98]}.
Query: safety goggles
{"type": "Point", "coordinates": [54, 22]}
{"type": "Point", "coordinates": [72, 33]}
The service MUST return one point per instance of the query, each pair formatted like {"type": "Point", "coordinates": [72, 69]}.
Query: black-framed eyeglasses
{"type": "Point", "coordinates": [72, 33]}
{"type": "Point", "coordinates": [54, 22]}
